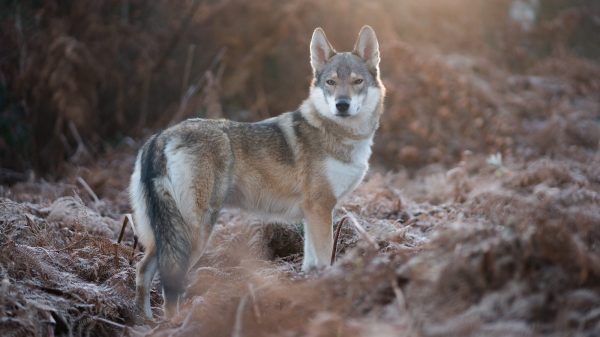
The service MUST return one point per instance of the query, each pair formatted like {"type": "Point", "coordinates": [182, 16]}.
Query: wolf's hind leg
{"type": "Point", "coordinates": [145, 273]}
{"type": "Point", "coordinates": [173, 262]}
{"type": "Point", "coordinates": [190, 200]}
{"type": "Point", "coordinates": [176, 251]}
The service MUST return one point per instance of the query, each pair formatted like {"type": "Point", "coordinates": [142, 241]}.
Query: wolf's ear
{"type": "Point", "coordinates": [367, 47]}
{"type": "Point", "coordinates": [320, 50]}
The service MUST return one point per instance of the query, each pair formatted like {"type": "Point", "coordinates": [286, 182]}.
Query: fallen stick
{"type": "Point", "coordinates": [88, 189]}
{"type": "Point", "coordinates": [403, 309]}
{"type": "Point", "coordinates": [237, 327]}
{"type": "Point", "coordinates": [118, 325]}
{"type": "Point", "coordinates": [335, 239]}
{"type": "Point", "coordinates": [361, 229]}
{"type": "Point", "coordinates": [257, 314]}
{"type": "Point", "coordinates": [126, 219]}
{"type": "Point", "coordinates": [187, 68]}
{"type": "Point", "coordinates": [81, 148]}
{"type": "Point", "coordinates": [194, 88]}
{"type": "Point", "coordinates": [399, 296]}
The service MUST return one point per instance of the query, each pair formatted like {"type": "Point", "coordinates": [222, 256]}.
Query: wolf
{"type": "Point", "coordinates": [290, 168]}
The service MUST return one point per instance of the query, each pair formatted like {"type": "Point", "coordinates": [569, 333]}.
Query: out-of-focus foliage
{"type": "Point", "coordinates": [77, 76]}
{"type": "Point", "coordinates": [489, 227]}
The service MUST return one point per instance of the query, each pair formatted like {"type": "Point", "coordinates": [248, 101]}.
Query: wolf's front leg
{"type": "Point", "coordinates": [318, 235]}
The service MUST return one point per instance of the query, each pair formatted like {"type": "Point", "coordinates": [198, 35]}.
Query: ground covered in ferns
{"type": "Point", "coordinates": [490, 247]}
{"type": "Point", "coordinates": [481, 211]}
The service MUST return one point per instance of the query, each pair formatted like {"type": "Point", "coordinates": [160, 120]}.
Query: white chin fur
{"type": "Point", "coordinates": [362, 105]}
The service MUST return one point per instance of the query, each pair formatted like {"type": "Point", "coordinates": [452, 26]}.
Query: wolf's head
{"type": "Point", "coordinates": [346, 85]}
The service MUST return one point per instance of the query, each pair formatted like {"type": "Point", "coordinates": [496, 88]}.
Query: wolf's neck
{"type": "Point", "coordinates": [350, 129]}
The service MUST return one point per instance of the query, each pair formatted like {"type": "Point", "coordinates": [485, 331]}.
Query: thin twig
{"type": "Point", "coordinates": [399, 296]}
{"type": "Point", "coordinates": [20, 39]}
{"type": "Point", "coordinates": [403, 310]}
{"type": "Point", "coordinates": [88, 189]}
{"type": "Point", "coordinates": [188, 67]}
{"type": "Point", "coordinates": [81, 148]}
{"type": "Point", "coordinates": [361, 229]}
{"type": "Point", "coordinates": [177, 35]}
{"type": "Point", "coordinates": [51, 323]}
{"type": "Point", "coordinates": [65, 143]}
{"type": "Point", "coordinates": [194, 88]}
{"type": "Point", "coordinates": [335, 239]}
{"type": "Point", "coordinates": [144, 99]}
{"type": "Point", "coordinates": [118, 325]}
{"type": "Point", "coordinates": [254, 303]}
{"type": "Point", "coordinates": [126, 219]}
{"type": "Point", "coordinates": [135, 242]}
{"type": "Point", "coordinates": [237, 327]}
{"type": "Point", "coordinates": [9, 176]}
{"type": "Point", "coordinates": [73, 244]}
{"type": "Point", "coordinates": [170, 46]}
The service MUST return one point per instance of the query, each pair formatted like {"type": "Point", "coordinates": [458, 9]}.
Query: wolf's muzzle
{"type": "Point", "coordinates": [342, 107]}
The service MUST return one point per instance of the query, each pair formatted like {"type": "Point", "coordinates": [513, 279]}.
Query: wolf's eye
{"type": "Point", "coordinates": [358, 81]}
{"type": "Point", "coordinates": [330, 82]}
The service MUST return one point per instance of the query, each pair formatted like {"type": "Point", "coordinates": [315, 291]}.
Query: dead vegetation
{"type": "Point", "coordinates": [483, 204]}
{"type": "Point", "coordinates": [517, 256]}
{"type": "Point", "coordinates": [77, 76]}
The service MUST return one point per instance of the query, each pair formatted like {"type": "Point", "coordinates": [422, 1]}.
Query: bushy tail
{"type": "Point", "coordinates": [172, 236]}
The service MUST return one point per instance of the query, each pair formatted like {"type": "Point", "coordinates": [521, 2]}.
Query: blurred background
{"type": "Point", "coordinates": [81, 78]}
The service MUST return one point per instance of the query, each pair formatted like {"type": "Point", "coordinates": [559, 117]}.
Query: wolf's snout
{"type": "Point", "coordinates": [342, 107]}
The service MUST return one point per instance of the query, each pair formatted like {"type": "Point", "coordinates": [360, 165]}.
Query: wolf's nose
{"type": "Point", "coordinates": [342, 106]}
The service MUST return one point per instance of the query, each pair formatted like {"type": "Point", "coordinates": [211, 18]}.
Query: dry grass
{"type": "Point", "coordinates": [475, 250]}
{"type": "Point", "coordinates": [78, 76]}
{"type": "Point", "coordinates": [468, 244]}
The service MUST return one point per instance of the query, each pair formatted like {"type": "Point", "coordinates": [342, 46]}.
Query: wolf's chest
{"type": "Point", "coordinates": [343, 177]}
